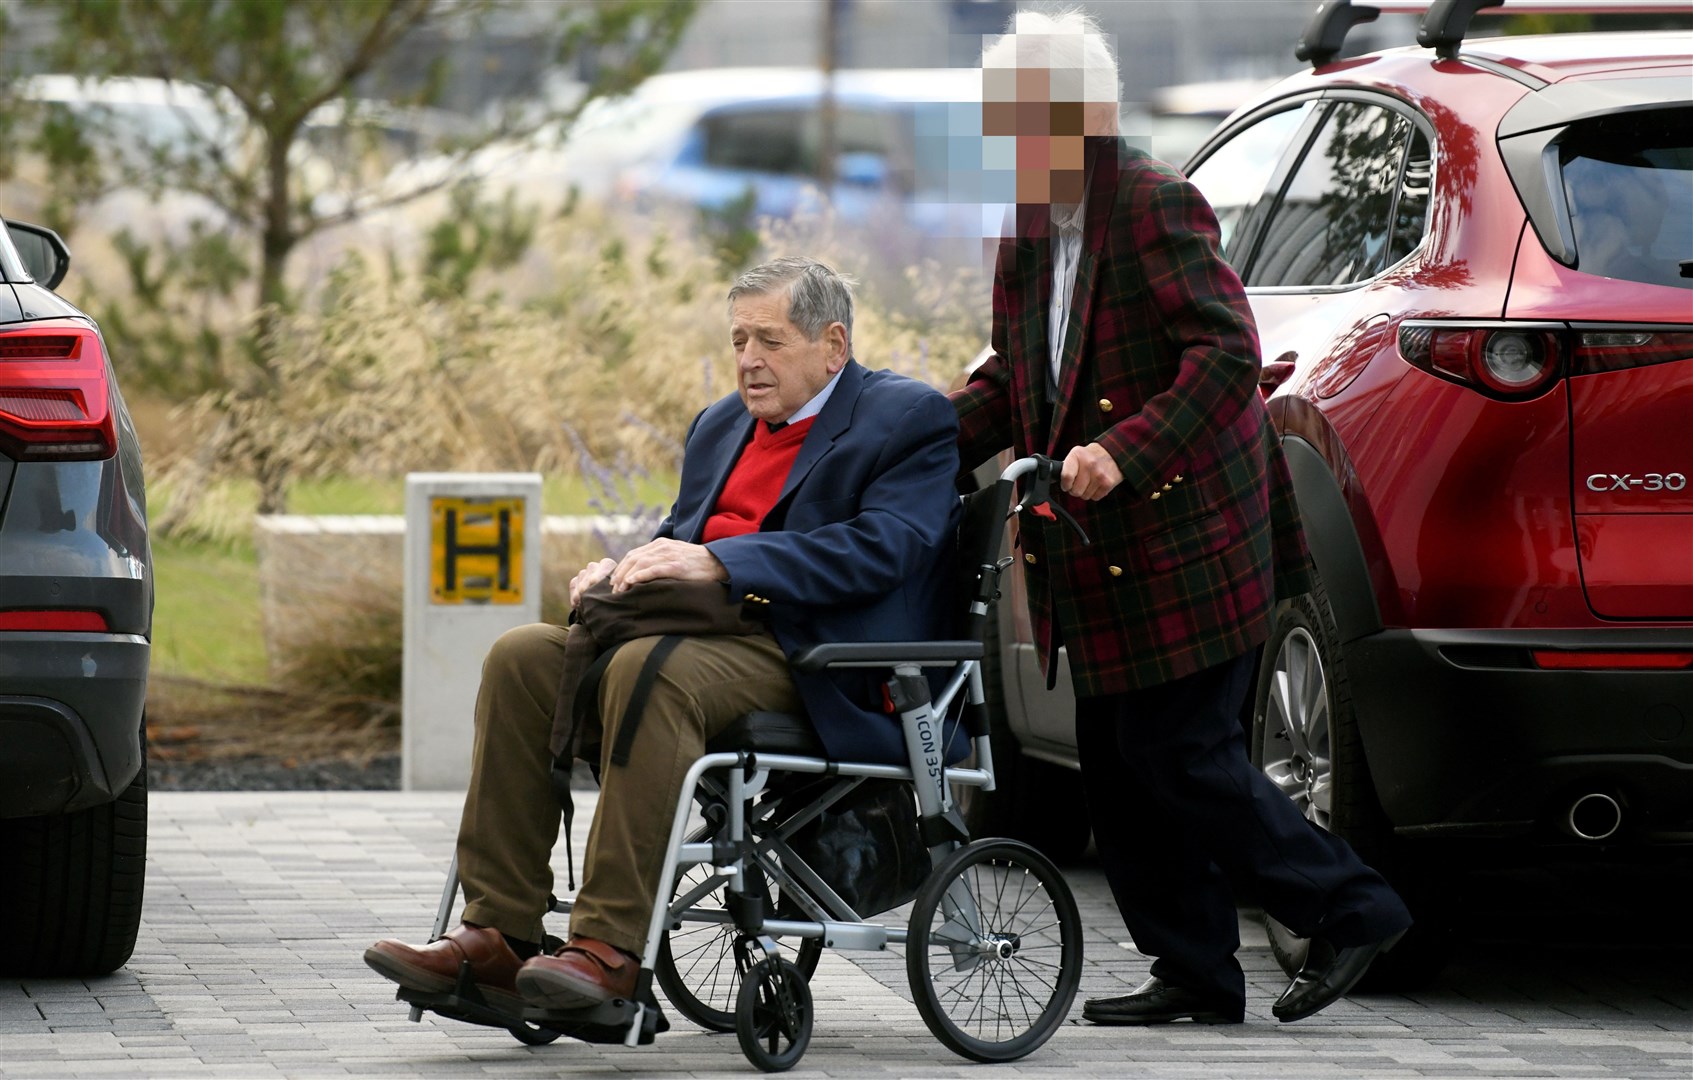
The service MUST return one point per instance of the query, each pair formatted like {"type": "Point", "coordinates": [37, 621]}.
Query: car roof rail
{"type": "Point", "coordinates": [1446, 22]}
{"type": "Point", "coordinates": [1327, 30]}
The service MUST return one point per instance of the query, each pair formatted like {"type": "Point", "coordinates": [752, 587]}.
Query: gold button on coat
{"type": "Point", "coordinates": [1116, 571]}
{"type": "Point", "coordinates": [1105, 405]}
{"type": "Point", "coordinates": [1029, 557]}
{"type": "Point", "coordinates": [1177, 479]}
{"type": "Point", "coordinates": [1157, 494]}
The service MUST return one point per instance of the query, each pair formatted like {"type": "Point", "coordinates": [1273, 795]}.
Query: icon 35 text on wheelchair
{"type": "Point", "coordinates": [992, 939]}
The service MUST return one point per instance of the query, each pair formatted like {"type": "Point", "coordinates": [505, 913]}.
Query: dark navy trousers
{"type": "Point", "coordinates": [1178, 813]}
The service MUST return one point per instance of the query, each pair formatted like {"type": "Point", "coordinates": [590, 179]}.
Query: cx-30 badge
{"type": "Point", "coordinates": [1629, 482]}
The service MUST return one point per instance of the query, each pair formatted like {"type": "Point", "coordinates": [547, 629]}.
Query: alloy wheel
{"type": "Point", "coordinates": [1295, 749]}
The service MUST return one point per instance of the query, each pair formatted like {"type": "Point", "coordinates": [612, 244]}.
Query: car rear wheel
{"type": "Point", "coordinates": [72, 900]}
{"type": "Point", "coordinates": [1305, 739]}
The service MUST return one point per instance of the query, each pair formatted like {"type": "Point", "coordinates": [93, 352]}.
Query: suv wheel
{"type": "Point", "coordinates": [1305, 739]}
{"type": "Point", "coordinates": [72, 904]}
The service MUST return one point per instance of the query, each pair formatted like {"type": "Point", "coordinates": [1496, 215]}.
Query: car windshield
{"type": "Point", "coordinates": [1628, 182]}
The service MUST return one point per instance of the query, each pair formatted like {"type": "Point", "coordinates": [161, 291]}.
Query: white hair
{"type": "Point", "coordinates": [1068, 43]}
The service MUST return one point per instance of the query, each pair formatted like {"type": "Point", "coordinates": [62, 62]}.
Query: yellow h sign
{"type": "Point", "coordinates": [476, 550]}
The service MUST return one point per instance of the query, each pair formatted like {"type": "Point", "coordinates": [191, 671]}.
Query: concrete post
{"type": "Point", "coordinates": [473, 571]}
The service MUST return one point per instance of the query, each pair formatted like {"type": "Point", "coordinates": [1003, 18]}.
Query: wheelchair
{"type": "Point", "coordinates": [992, 939]}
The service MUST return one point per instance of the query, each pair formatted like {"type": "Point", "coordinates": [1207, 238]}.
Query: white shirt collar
{"type": "Point", "coordinates": [1069, 217]}
{"type": "Point", "coordinates": [815, 405]}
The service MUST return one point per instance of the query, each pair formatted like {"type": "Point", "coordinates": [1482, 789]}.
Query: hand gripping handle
{"type": "Point", "coordinates": [1043, 473]}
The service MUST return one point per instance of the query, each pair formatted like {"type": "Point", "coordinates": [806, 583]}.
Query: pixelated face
{"type": "Point", "coordinates": [776, 368]}
{"type": "Point", "coordinates": [1046, 111]}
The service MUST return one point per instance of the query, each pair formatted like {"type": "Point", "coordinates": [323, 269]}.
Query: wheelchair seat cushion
{"type": "Point", "coordinates": [770, 733]}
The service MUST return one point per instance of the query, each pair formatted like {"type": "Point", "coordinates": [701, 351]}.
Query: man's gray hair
{"type": "Point", "coordinates": [1068, 43]}
{"type": "Point", "coordinates": [817, 296]}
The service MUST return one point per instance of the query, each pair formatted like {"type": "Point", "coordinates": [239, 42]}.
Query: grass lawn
{"type": "Point", "coordinates": [206, 624]}
{"type": "Point", "coordinates": [206, 615]}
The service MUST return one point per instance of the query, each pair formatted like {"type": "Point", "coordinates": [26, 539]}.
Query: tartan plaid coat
{"type": "Point", "coordinates": [1160, 367]}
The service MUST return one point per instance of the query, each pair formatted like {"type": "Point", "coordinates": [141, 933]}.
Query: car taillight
{"type": "Point", "coordinates": [1610, 348]}
{"type": "Point", "coordinates": [53, 394]}
{"type": "Point", "coordinates": [1512, 361]}
{"type": "Point", "coordinates": [75, 621]}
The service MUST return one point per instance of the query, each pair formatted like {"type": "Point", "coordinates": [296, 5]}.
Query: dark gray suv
{"type": "Point", "coordinates": [76, 612]}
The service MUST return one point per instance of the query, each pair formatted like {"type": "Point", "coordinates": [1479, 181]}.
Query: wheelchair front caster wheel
{"type": "Point", "coordinates": [696, 960]}
{"type": "Point", "coordinates": [773, 1015]}
{"type": "Point", "coordinates": [533, 1035]}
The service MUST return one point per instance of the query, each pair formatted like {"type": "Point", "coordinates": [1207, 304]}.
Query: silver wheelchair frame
{"type": "Point", "coordinates": [743, 847]}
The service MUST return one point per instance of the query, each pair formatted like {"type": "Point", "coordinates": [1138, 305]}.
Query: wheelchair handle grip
{"type": "Point", "coordinates": [1037, 496]}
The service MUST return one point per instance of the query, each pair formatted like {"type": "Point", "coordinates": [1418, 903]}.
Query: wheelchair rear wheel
{"type": "Point", "coordinates": [994, 953]}
{"type": "Point", "coordinates": [696, 963]}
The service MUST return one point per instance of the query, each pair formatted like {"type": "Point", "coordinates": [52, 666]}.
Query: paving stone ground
{"type": "Point", "coordinates": [259, 905]}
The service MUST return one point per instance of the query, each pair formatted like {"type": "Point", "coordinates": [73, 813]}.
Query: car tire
{"type": "Point", "coordinates": [1034, 801]}
{"type": "Point", "coordinates": [1305, 737]}
{"type": "Point", "coordinates": [72, 904]}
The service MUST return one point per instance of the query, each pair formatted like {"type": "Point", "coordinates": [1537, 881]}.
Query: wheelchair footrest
{"type": "Point", "coordinates": [607, 1022]}
{"type": "Point", "coordinates": [470, 1008]}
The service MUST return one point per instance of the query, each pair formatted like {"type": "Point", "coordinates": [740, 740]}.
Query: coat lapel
{"type": "Point", "coordinates": [726, 454]}
{"type": "Point", "coordinates": [1075, 332]}
{"type": "Point", "coordinates": [1102, 198]}
{"type": "Point", "coordinates": [831, 423]}
{"type": "Point", "coordinates": [1033, 281]}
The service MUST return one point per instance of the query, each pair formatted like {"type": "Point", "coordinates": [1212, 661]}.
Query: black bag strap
{"type": "Point", "coordinates": [567, 807]}
{"type": "Point", "coordinates": [638, 701]}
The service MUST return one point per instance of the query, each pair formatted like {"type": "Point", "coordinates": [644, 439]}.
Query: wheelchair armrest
{"type": "Point", "coordinates": [885, 654]}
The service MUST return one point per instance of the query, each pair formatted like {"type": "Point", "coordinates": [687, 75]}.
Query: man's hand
{"type": "Point", "coordinates": [667, 559]}
{"type": "Point", "coordinates": [1089, 473]}
{"type": "Point", "coordinates": [587, 576]}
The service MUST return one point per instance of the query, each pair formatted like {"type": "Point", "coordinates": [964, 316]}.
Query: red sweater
{"type": "Point", "coordinates": [756, 482]}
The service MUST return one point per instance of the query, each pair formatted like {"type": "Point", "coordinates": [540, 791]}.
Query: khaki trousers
{"type": "Point", "coordinates": [511, 819]}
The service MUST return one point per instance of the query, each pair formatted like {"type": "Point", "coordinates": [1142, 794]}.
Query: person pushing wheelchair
{"type": "Point", "coordinates": [821, 496]}
{"type": "Point", "coordinates": [1123, 344]}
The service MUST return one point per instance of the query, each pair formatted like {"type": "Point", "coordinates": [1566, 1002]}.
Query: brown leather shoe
{"type": "Point", "coordinates": [584, 972]}
{"type": "Point", "coordinates": [434, 968]}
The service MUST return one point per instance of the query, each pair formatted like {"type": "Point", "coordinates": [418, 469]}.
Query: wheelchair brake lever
{"type": "Point", "coordinates": [1038, 499]}
{"type": "Point", "coordinates": [1038, 491]}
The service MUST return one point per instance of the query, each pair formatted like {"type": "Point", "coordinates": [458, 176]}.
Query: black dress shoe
{"type": "Point", "coordinates": [1327, 975]}
{"type": "Point", "coordinates": [1157, 1002]}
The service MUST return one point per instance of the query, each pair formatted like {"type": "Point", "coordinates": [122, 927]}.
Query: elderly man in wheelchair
{"type": "Point", "coordinates": [817, 505]}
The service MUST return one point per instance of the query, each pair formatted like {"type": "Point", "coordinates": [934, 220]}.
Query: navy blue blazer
{"type": "Point", "coordinates": [859, 545]}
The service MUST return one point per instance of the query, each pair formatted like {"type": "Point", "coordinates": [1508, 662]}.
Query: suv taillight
{"type": "Point", "coordinates": [53, 393]}
{"type": "Point", "coordinates": [1612, 348]}
{"type": "Point", "coordinates": [1511, 361]}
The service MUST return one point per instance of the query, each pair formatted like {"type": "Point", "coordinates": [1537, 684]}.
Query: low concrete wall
{"type": "Point", "coordinates": [313, 567]}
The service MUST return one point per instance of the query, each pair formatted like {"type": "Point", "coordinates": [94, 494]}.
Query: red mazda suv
{"type": "Point", "coordinates": [1470, 267]}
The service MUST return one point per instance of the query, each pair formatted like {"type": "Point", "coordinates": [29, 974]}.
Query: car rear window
{"type": "Point", "coordinates": [1628, 184]}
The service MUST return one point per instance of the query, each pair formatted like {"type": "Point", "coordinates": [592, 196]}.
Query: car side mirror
{"type": "Point", "coordinates": [45, 256]}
